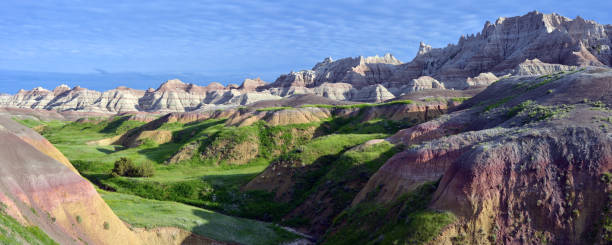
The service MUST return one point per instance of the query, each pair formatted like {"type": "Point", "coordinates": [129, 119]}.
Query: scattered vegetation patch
{"type": "Point", "coordinates": [606, 178]}
{"type": "Point", "coordinates": [498, 103]}
{"type": "Point", "coordinates": [13, 233]}
{"type": "Point", "coordinates": [405, 221]}
{"type": "Point", "coordinates": [28, 122]}
{"type": "Point", "coordinates": [597, 105]}
{"type": "Point", "coordinates": [460, 99]}
{"type": "Point", "coordinates": [327, 145]}
{"type": "Point", "coordinates": [275, 108]}
{"type": "Point", "coordinates": [545, 79]}
{"type": "Point", "coordinates": [534, 112]}
{"type": "Point", "coordinates": [125, 167]}
{"type": "Point", "coordinates": [363, 161]}
{"type": "Point", "coordinates": [601, 231]}
{"type": "Point", "coordinates": [435, 99]}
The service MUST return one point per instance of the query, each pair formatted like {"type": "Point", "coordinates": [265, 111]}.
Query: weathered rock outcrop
{"type": "Point", "coordinates": [252, 84]}
{"type": "Point", "coordinates": [422, 83]}
{"type": "Point", "coordinates": [536, 67]}
{"type": "Point", "coordinates": [484, 79]}
{"type": "Point", "coordinates": [499, 48]}
{"type": "Point", "coordinates": [38, 186]}
{"type": "Point", "coordinates": [502, 45]}
{"type": "Point", "coordinates": [171, 96]}
{"type": "Point", "coordinates": [518, 163]}
{"type": "Point", "coordinates": [121, 99]}
{"type": "Point", "coordinates": [359, 72]}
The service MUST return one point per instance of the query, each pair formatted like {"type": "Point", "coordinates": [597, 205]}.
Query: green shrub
{"type": "Point", "coordinates": [535, 112]}
{"type": "Point", "coordinates": [460, 99]}
{"type": "Point", "coordinates": [125, 167]}
{"type": "Point", "coordinates": [145, 169]}
{"type": "Point", "coordinates": [78, 219]}
{"type": "Point", "coordinates": [106, 225]}
{"type": "Point", "coordinates": [121, 166]}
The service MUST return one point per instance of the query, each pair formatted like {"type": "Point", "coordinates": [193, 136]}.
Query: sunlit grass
{"type": "Point", "coordinates": [140, 212]}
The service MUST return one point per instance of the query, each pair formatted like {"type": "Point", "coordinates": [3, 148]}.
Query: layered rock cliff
{"type": "Point", "coordinates": [171, 96]}
{"type": "Point", "coordinates": [475, 60]}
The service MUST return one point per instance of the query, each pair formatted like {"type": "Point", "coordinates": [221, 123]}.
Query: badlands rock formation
{"type": "Point", "coordinates": [38, 186]}
{"type": "Point", "coordinates": [171, 96]}
{"type": "Point", "coordinates": [252, 84]}
{"type": "Point", "coordinates": [532, 44]}
{"type": "Point", "coordinates": [536, 67]}
{"type": "Point", "coordinates": [528, 169]}
{"type": "Point", "coordinates": [359, 72]}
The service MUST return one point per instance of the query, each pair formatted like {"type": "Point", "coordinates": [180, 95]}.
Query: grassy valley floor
{"type": "Point", "coordinates": [206, 193]}
{"type": "Point", "coordinates": [180, 183]}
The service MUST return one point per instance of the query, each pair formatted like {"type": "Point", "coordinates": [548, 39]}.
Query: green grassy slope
{"type": "Point", "coordinates": [140, 212]}
{"type": "Point", "coordinates": [404, 221]}
{"type": "Point", "coordinates": [11, 232]}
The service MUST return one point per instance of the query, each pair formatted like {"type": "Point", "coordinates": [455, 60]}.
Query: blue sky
{"type": "Point", "coordinates": [104, 44]}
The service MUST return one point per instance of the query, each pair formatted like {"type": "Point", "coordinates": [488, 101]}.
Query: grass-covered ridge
{"type": "Point", "coordinates": [525, 86]}
{"type": "Point", "coordinates": [337, 179]}
{"type": "Point", "coordinates": [278, 108]}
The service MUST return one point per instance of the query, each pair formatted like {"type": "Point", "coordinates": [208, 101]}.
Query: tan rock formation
{"type": "Point", "coordinates": [536, 67]}
{"type": "Point", "coordinates": [39, 190]}
{"type": "Point", "coordinates": [252, 84]}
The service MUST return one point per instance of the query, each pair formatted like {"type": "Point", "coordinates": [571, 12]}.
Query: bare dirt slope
{"type": "Point", "coordinates": [39, 187]}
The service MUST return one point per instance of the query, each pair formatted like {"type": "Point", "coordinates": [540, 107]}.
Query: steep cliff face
{"type": "Point", "coordinates": [75, 99]}
{"type": "Point", "coordinates": [498, 49]}
{"type": "Point", "coordinates": [36, 98]}
{"type": "Point", "coordinates": [39, 187]}
{"type": "Point", "coordinates": [360, 71]}
{"type": "Point", "coordinates": [121, 99]}
{"type": "Point", "coordinates": [502, 45]}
